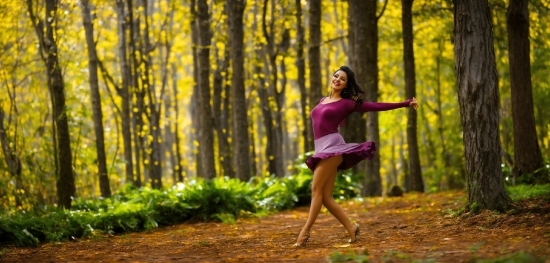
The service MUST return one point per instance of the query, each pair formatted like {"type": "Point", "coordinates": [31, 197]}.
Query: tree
{"type": "Point", "coordinates": [96, 99]}
{"type": "Point", "coordinates": [416, 183]}
{"type": "Point", "coordinates": [206, 135]}
{"type": "Point", "coordinates": [527, 154]}
{"type": "Point", "coordinates": [123, 90]}
{"type": "Point", "coordinates": [355, 128]}
{"type": "Point", "coordinates": [478, 97]}
{"type": "Point", "coordinates": [314, 52]}
{"type": "Point", "coordinates": [66, 189]}
{"type": "Point", "coordinates": [305, 105]}
{"type": "Point", "coordinates": [240, 136]}
{"type": "Point", "coordinates": [373, 181]}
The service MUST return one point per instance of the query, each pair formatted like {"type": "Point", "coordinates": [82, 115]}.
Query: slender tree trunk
{"type": "Point", "coordinates": [417, 183]}
{"type": "Point", "coordinates": [373, 184]}
{"type": "Point", "coordinates": [314, 53]}
{"type": "Point", "coordinates": [206, 139]}
{"type": "Point", "coordinates": [527, 154]}
{"type": "Point", "coordinates": [478, 96]}
{"type": "Point", "coordinates": [124, 91]}
{"type": "Point", "coordinates": [66, 189]}
{"type": "Point", "coordinates": [136, 92]}
{"type": "Point", "coordinates": [178, 169]}
{"type": "Point", "coordinates": [12, 160]}
{"type": "Point", "coordinates": [96, 100]}
{"type": "Point", "coordinates": [195, 135]}
{"type": "Point", "coordinates": [240, 137]}
{"type": "Point", "coordinates": [307, 132]}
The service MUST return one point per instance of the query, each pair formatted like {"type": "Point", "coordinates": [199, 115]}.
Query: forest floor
{"type": "Point", "coordinates": [413, 228]}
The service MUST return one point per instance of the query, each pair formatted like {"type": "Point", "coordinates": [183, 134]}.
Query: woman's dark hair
{"type": "Point", "coordinates": [352, 90]}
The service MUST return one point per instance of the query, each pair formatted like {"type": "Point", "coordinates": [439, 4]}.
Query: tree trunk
{"type": "Point", "coordinates": [206, 139]}
{"type": "Point", "coordinates": [124, 91]}
{"type": "Point", "coordinates": [195, 134]}
{"type": "Point", "coordinates": [66, 189]}
{"type": "Point", "coordinates": [314, 53]}
{"type": "Point", "coordinates": [373, 182]}
{"type": "Point", "coordinates": [354, 129]}
{"type": "Point", "coordinates": [307, 132]}
{"type": "Point", "coordinates": [417, 183]}
{"type": "Point", "coordinates": [148, 85]}
{"type": "Point", "coordinates": [478, 97]}
{"type": "Point", "coordinates": [238, 104]}
{"type": "Point", "coordinates": [96, 100]}
{"type": "Point", "coordinates": [136, 91]}
{"type": "Point", "coordinates": [527, 154]}
{"type": "Point", "coordinates": [12, 160]}
{"type": "Point", "coordinates": [178, 169]}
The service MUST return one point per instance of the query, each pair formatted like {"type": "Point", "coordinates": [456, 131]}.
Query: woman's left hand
{"type": "Point", "coordinates": [414, 103]}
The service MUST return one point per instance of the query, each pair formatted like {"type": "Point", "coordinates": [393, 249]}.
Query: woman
{"type": "Point", "coordinates": [332, 153]}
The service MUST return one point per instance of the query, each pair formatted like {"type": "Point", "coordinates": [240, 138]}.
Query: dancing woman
{"type": "Point", "coordinates": [332, 153]}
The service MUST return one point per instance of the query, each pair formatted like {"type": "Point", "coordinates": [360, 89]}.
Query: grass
{"type": "Point", "coordinates": [523, 192]}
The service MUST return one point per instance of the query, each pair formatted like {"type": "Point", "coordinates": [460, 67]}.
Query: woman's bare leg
{"type": "Point", "coordinates": [335, 209]}
{"type": "Point", "coordinates": [324, 170]}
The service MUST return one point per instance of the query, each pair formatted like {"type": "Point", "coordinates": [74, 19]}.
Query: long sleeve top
{"type": "Point", "coordinates": [326, 117]}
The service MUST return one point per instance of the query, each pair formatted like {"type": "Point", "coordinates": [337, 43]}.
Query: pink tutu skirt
{"type": "Point", "coordinates": [333, 144]}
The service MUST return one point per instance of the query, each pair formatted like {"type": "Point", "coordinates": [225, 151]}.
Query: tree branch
{"type": "Point", "coordinates": [383, 9]}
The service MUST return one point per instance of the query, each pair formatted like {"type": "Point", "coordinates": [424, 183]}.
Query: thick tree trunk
{"type": "Point", "coordinates": [96, 100]}
{"type": "Point", "coordinates": [206, 139]}
{"type": "Point", "coordinates": [373, 182]}
{"type": "Point", "coordinates": [66, 189]}
{"type": "Point", "coordinates": [417, 183]}
{"type": "Point", "coordinates": [355, 128]}
{"type": "Point", "coordinates": [240, 138]}
{"type": "Point", "coordinates": [314, 53]}
{"type": "Point", "coordinates": [527, 154]}
{"type": "Point", "coordinates": [124, 91]}
{"type": "Point", "coordinates": [478, 97]}
{"type": "Point", "coordinates": [307, 132]}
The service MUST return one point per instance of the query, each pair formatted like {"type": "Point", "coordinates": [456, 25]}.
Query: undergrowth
{"type": "Point", "coordinates": [134, 209]}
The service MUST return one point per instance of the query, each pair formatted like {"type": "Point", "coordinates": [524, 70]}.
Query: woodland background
{"type": "Point", "coordinates": [165, 72]}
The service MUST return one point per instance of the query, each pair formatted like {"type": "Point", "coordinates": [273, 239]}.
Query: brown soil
{"type": "Point", "coordinates": [417, 227]}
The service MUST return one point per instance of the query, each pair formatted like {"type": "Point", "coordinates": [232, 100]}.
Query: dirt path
{"type": "Point", "coordinates": [393, 230]}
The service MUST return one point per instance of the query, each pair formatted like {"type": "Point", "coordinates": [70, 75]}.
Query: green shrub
{"type": "Point", "coordinates": [522, 192]}
{"type": "Point", "coordinates": [133, 209]}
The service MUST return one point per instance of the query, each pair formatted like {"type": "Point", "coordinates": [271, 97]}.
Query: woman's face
{"type": "Point", "coordinates": [339, 80]}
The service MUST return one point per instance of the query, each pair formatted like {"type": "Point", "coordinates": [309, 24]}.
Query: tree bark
{"type": "Point", "coordinates": [12, 160]}
{"type": "Point", "coordinates": [314, 52]}
{"type": "Point", "coordinates": [124, 91]}
{"type": "Point", "coordinates": [206, 139]}
{"type": "Point", "coordinates": [527, 154]}
{"type": "Point", "coordinates": [96, 100]}
{"type": "Point", "coordinates": [66, 189]}
{"type": "Point", "coordinates": [478, 96]}
{"type": "Point", "coordinates": [307, 132]}
{"type": "Point", "coordinates": [373, 182]}
{"type": "Point", "coordinates": [178, 169]}
{"type": "Point", "coordinates": [240, 137]}
{"type": "Point", "coordinates": [354, 129]}
{"type": "Point", "coordinates": [417, 183]}
{"type": "Point", "coordinates": [195, 135]}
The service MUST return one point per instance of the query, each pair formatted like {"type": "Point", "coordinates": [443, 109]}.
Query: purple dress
{"type": "Point", "coordinates": [328, 142]}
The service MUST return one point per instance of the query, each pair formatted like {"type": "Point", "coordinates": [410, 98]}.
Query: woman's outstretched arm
{"type": "Point", "coordinates": [382, 106]}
